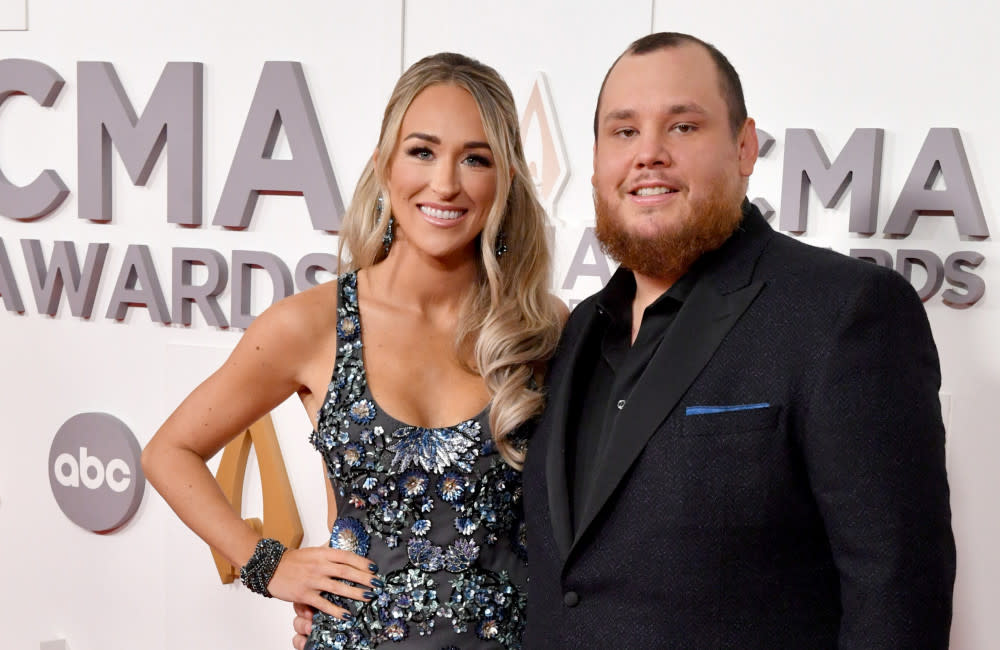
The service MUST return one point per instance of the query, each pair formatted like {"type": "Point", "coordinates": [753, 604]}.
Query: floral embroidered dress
{"type": "Point", "coordinates": [438, 510]}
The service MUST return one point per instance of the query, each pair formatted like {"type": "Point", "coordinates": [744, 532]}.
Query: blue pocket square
{"type": "Point", "coordinates": [702, 410]}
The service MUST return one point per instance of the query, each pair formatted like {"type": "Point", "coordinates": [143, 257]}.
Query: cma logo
{"type": "Point", "coordinates": [94, 471]}
{"type": "Point", "coordinates": [543, 145]}
{"type": "Point", "coordinates": [91, 473]}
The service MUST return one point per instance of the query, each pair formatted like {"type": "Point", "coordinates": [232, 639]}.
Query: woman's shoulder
{"type": "Point", "coordinates": [299, 321]}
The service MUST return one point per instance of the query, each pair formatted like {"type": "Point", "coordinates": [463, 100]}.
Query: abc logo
{"type": "Point", "coordinates": [94, 471]}
{"type": "Point", "coordinates": [91, 472]}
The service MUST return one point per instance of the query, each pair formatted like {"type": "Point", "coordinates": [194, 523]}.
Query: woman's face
{"type": "Point", "coordinates": [442, 176]}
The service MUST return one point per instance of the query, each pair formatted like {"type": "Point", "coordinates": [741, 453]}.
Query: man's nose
{"type": "Point", "coordinates": [653, 151]}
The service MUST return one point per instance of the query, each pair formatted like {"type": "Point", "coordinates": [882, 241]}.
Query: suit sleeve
{"type": "Point", "coordinates": [873, 443]}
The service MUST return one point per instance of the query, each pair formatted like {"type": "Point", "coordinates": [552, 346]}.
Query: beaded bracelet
{"type": "Point", "coordinates": [257, 572]}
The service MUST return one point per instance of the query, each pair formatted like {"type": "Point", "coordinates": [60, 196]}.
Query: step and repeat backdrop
{"type": "Point", "coordinates": [168, 170]}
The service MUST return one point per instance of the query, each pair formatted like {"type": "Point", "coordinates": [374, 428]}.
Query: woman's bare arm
{"type": "Point", "coordinates": [267, 366]}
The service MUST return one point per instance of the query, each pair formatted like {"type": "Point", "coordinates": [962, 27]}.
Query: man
{"type": "Point", "coordinates": [743, 445]}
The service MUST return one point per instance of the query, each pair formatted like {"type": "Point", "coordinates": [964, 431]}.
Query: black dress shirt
{"type": "Point", "coordinates": [612, 367]}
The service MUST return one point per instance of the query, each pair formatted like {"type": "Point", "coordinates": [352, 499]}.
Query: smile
{"type": "Point", "coordinates": [441, 214]}
{"type": "Point", "coordinates": [653, 191]}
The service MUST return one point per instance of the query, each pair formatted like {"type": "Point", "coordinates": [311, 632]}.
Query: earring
{"type": "Point", "coordinates": [500, 246]}
{"type": "Point", "coordinates": [388, 236]}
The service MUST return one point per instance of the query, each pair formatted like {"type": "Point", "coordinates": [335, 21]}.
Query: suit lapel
{"type": "Point", "coordinates": [714, 306]}
{"type": "Point", "coordinates": [561, 389]}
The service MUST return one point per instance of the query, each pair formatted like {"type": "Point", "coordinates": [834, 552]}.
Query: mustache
{"type": "Point", "coordinates": [655, 178]}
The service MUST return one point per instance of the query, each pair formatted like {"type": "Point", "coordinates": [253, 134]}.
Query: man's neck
{"type": "Point", "coordinates": [647, 290]}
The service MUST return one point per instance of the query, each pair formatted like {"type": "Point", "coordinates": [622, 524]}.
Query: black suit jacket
{"type": "Point", "coordinates": [814, 515]}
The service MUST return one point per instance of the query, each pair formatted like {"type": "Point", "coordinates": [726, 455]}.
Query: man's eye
{"type": "Point", "coordinates": [685, 128]}
{"type": "Point", "coordinates": [626, 132]}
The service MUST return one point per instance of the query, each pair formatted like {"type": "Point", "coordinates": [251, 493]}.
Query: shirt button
{"type": "Point", "coordinates": [571, 598]}
{"type": "Point", "coordinates": [621, 404]}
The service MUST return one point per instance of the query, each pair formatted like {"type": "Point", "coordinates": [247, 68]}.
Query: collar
{"type": "Point", "coordinates": [615, 299]}
{"type": "Point", "coordinates": [614, 302]}
{"type": "Point", "coordinates": [729, 267]}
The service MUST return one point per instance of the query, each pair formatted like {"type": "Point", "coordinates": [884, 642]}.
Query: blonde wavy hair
{"type": "Point", "coordinates": [509, 320]}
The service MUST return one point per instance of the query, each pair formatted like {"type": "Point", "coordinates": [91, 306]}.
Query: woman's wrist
{"type": "Point", "coordinates": [257, 572]}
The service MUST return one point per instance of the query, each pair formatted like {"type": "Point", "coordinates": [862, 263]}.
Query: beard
{"type": "Point", "coordinates": [671, 251]}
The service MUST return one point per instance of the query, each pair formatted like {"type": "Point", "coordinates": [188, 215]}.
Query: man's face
{"type": "Point", "coordinates": [669, 175]}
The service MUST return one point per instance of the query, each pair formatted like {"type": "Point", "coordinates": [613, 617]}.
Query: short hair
{"type": "Point", "coordinates": [729, 80]}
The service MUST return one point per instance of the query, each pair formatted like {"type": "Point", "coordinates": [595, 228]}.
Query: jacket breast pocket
{"type": "Point", "coordinates": [722, 469]}
{"type": "Point", "coordinates": [719, 421]}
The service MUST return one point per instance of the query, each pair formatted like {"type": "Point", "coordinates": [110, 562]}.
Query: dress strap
{"type": "Point", "coordinates": [345, 399]}
{"type": "Point", "coordinates": [348, 316]}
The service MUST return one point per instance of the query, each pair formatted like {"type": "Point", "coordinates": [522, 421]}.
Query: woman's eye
{"type": "Point", "coordinates": [422, 153]}
{"type": "Point", "coordinates": [477, 160]}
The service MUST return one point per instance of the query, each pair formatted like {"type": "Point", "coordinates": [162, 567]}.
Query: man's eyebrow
{"type": "Point", "coordinates": [472, 144]}
{"type": "Point", "coordinates": [678, 109]}
{"type": "Point", "coordinates": [620, 114]}
{"type": "Point", "coordinates": [675, 109]}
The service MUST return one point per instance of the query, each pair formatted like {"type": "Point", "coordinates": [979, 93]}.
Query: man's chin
{"type": "Point", "coordinates": [654, 232]}
{"type": "Point", "coordinates": [668, 248]}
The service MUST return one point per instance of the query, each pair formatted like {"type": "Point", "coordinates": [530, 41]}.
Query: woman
{"type": "Point", "coordinates": [446, 288]}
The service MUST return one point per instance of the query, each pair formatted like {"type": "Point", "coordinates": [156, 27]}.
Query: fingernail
{"type": "Point", "coordinates": [373, 568]}
{"type": "Point", "coordinates": [347, 616]}
{"type": "Point", "coordinates": [378, 584]}
{"type": "Point", "coordinates": [369, 595]}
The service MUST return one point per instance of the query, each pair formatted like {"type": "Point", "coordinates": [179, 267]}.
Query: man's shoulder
{"type": "Point", "coordinates": [786, 256]}
{"type": "Point", "coordinates": [827, 281]}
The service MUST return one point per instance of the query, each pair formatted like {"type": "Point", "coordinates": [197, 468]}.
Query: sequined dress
{"type": "Point", "coordinates": [437, 510]}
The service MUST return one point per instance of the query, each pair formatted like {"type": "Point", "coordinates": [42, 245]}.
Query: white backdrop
{"type": "Point", "coordinates": [905, 67]}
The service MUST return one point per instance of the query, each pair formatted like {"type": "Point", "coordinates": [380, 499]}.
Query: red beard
{"type": "Point", "coordinates": [672, 251]}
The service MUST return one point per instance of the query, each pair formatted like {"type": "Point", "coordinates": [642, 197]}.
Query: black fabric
{"type": "Point", "coordinates": [817, 519]}
{"type": "Point", "coordinates": [614, 371]}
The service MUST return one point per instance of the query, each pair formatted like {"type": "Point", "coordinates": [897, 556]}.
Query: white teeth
{"type": "Point", "coordinates": [441, 214]}
{"type": "Point", "coordinates": [651, 191]}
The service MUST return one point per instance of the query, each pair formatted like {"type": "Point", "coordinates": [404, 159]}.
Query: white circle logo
{"type": "Point", "coordinates": [95, 473]}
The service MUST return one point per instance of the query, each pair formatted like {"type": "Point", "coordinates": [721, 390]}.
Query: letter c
{"type": "Point", "coordinates": [118, 484]}
{"type": "Point", "coordinates": [47, 191]}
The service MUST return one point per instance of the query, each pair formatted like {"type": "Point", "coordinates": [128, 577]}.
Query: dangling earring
{"type": "Point", "coordinates": [388, 236]}
{"type": "Point", "coordinates": [500, 245]}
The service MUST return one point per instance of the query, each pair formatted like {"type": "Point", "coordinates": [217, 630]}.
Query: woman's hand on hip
{"type": "Point", "coordinates": [305, 572]}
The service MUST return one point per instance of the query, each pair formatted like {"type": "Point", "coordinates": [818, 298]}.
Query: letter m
{"type": "Point", "coordinates": [859, 165]}
{"type": "Point", "coordinates": [105, 115]}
